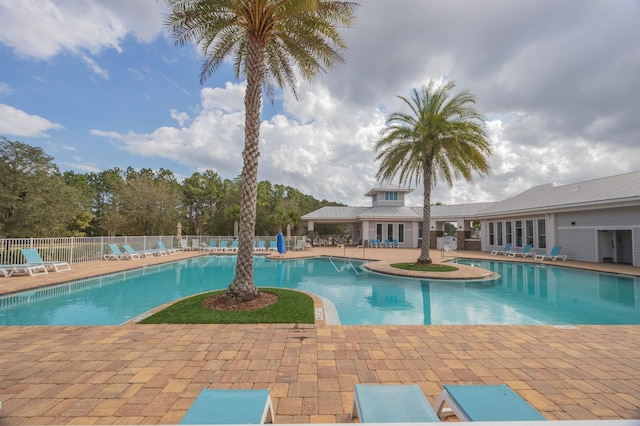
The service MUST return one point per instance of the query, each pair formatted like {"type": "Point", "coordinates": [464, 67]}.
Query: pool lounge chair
{"type": "Point", "coordinates": [505, 250]}
{"type": "Point", "coordinates": [272, 246]}
{"type": "Point", "coordinates": [161, 246]}
{"type": "Point", "coordinates": [184, 245]}
{"type": "Point", "coordinates": [391, 404]}
{"type": "Point", "coordinates": [34, 259]}
{"type": "Point", "coordinates": [233, 247]}
{"type": "Point", "coordinates": [230, 406]}
{"type": "Point", "coordinates": [394, 243]}
{"type": "Point", "coordinates": [526, 251]}
{"type": "Point", "coordinates": [209, 248]}
{"type": "Point", "coordinates": [31, 270]}
{"type": "Point", "coordinates": [554, 254]}
{"type": "Point", "coordinates": [130, 251]}
{"type": "Point", "coordinates": [489, 403]}
{"type": "Point", "coordinates": [116, 253]}
{"type": "Point", "coordinates": [261, 246]}
{"type": "Point", "coordinates": [300, 245]}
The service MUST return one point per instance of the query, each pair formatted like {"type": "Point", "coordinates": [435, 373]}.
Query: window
{"type": "Point", "coordinates": [507, 226]}
{"type": "Point", "coordinates": [542, 234]}
{"type": "Point", "coordinates": [379, 231]}
{"type": "Point", "coordinates": [374, 198]}
{"type": "Point", "coordinates": [390, 231]}
{"type": "Point", "coordinates": [491, 234]}
{"type": "Point", "coordinates": [499, 232]}
{"type": "Point", "coordinates": [518, 233]}
{"type": "Point", "coordinates": [529, 224]}
{"type": "Point", "coordinates": [391, 196]}
{"type": "Point", "coordinates": [401, 233]}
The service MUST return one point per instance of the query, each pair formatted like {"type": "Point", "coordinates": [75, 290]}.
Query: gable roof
{"type": "Point", "coordinates": [623, 188]}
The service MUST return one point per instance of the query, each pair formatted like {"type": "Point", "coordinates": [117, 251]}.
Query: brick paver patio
{"type": "Point", "coordinates": [150, 374]}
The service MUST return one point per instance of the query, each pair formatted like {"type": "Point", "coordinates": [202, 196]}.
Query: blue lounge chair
{"type": "Point", "coordinates": [233, 246]}
{"type": "Point", "coordinates": [394, 244]}
{"type": "Point", "coordinates": [391, 404]}
{"type": "Point", "coordinates": [526, 251]}
{"type": "Point", "coordinates": [115, 254]}
{"type": "Point", "coordinates": [161, 246]}
{"type": "Point", "coordinates": [261, 246]}
{"type": "Point", "coordinates": [505, 250]}
{"type": "Point", "coordinates": [34, 259]}
{"type": "Point", "coordinates": [131, 252]}
{"type": "Point", "coordinates": [31, 270]}
{"type": "Point", "coordinates": [211, 247]}
{"type": "Point", "coordinates": [387, 244]}
{"type": "Point", "coordinates": [554, 254]}
{"type": "Point", "coordinates": [230, 406]}
{"type": "Point", "coordinates": [489, 403]}
{"type": "Point", "coordinates": [272, 246]}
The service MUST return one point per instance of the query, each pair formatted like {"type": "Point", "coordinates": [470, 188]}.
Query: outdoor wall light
{"type": "Point", "coordinates": [573, 223]}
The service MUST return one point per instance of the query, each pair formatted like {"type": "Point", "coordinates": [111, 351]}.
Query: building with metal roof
{"type": "Point", "coordinates": [595, 221]}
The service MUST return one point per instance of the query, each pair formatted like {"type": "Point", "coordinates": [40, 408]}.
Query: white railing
{"type": "Point", "coordinates": [91, 249]}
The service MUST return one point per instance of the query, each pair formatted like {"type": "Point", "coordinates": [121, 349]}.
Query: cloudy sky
{"type": "Point", "coordinates": [100, 84]}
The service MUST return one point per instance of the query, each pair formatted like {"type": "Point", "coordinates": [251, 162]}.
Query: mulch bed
{"type": "Point", "coordinates": [220, 302]}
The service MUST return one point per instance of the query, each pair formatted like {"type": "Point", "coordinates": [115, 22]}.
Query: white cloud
{"type": "Point", "coordinates": [18, 123]}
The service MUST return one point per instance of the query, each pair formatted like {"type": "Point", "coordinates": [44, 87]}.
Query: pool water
{"type": "Point", "coordinates": [524, 294]}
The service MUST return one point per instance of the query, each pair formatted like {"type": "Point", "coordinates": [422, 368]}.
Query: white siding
{"type": "Point", "coordinates": [636, 246]}
{"type": "Point", "coordinates": [626, 216]}
{"type": "Point", "coordinates": [578, 243]}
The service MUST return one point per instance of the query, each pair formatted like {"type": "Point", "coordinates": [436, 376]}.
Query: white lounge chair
{"type": "Point", "coordinates": [161, 246]}
{"type": "Point", "coordinates": [505, 250]}
{"type": "Point", "coordinates": [484, 403]}
{"type": "Point", "coordinates": [131, 252]}
{"type": "Point", "coordinates": [526, 251]}
{"type": "Point", "coordinates": [34, 259]}
{"type": "Point", "coordinates": [554, 254]}
{"type": "Point", "coordinates": [391, 404]}
{"type": "Point", "coordinates": [230, 406]}
{"type": "Point", "coordinates": [209, 248]}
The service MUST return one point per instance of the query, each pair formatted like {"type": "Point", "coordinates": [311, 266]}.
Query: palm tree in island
{"type": "Point", "coordinates": [442, 138]}
{"type": "Point", "coordinates": [266, 40]}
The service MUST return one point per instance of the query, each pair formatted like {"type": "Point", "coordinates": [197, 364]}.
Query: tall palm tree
{"type": "Point", "coordinates": [266, 40]}
{"type": "Point", "coordinates": [441, 139]}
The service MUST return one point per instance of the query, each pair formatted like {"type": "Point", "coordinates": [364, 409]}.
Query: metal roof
{"type": "Point", "coordinates": [403, 213]}
{"type": "Point", "coordinates": [623, 188]}
{"type": "Point", "coordinates": [336, 213]}
{"type": "Point", "coordinates": [552, 197]}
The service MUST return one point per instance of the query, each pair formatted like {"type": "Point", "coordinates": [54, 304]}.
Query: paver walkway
{"type": "Point", "coordinates": [150, 374]}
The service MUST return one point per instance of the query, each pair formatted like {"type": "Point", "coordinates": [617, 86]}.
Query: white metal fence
{"type": "Point", "coordinates": [91, 249]}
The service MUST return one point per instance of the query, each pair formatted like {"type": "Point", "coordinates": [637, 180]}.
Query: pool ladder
{"type": "Point", "coordinates": [343, 247]}
{"type": "Point", "coordinates": [448, 251]}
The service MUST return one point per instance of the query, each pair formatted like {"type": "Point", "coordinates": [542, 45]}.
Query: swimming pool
{"type": "Point", "coordinates": [524, 294]}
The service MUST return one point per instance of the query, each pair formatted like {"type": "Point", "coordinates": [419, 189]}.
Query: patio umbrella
{"type": "Point", "coordinates": [179, 232]}
{"type": "Point", "coordinates": [288, 232]}
{"type": "Point", "coordinates": [282, 249]}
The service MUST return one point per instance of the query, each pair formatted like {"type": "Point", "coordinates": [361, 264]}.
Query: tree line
{"type": "Point", "coordinates": [37, 200]}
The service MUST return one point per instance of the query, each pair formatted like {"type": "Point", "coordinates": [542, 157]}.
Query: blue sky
{"type": "Point", "coordinates": [100, 84]}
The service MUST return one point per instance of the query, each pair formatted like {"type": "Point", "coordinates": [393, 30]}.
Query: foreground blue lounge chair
{"type": "Point", "coordinates": [488, 403]}
{"type": "Point", "coordinates": [115, 254]}
{"type": "Point", "coordinates": [34, 259]}
{"type": "Point", "coordinates": [554, 254]}
{"type": "Point", "coordinates": [230, 406]}
{"type": "Point", "coordinates": [391, 404]}
{"type": "Point", "coordinates": [31, 270]}
{"type": "Point", "coordinates": [130, 251]}
{"type": "Point", "coordinates": [209, 248]}
{"type": "Point", "coordinates": [526, 251]}
{"type": "Point", "coordinates": [505, 250]}
{"type": "Point", "coordinates": [162, 247]}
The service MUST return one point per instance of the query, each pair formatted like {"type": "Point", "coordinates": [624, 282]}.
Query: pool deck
{"type": "Point", "coordinates": [151, 374]}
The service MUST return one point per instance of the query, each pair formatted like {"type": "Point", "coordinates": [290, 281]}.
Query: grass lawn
{"type": "Point", "coordinates": [291, 307]}
{"type": "Point", "coordinates": [424, 268]}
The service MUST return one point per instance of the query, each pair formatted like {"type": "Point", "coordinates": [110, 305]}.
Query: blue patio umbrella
{"type": "Point", "coordinates": [282, 249]}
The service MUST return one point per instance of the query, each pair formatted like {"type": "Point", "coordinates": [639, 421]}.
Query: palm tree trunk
{"type": "Point", "coordinates": [426, 219]}
{"type": "Point", "coordinates": [243, 288]}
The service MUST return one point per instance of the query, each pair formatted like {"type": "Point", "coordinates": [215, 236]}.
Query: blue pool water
{"type": "Point", "coordinates": [524, 294]}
